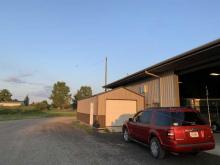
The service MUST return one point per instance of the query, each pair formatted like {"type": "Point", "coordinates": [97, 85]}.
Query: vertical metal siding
{"type": "Point", "coordinates": [152, 96]}
{"type": "Point", "coordinates": [83, 106]}
{"type": "Point", "coordinates": [169, 90]}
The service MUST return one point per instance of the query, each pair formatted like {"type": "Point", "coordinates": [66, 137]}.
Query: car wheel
{"type": "Point", "coordinates": [156, 149]}
{"type": "Point", "coordinates": [126, 135]}
{"type": "Point", "coordinates": [214, 127]}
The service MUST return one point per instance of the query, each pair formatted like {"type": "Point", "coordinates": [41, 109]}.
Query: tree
{"type": "Point", "coordinates": [26, 101]}
{"type": "Point", "coordinates": [43, 105]}
{"type": "Point", "coordinates": [60, 96]}
{"type": "Point", "coordinates": [83, 93]}
{"type": "Point", "coordinates": [5, 95]}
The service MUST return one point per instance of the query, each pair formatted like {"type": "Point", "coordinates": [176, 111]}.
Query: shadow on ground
{"type": "Point", "coordinates": [142, 155]}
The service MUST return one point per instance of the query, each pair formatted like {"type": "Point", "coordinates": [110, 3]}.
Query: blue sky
{"type": "Point", "coordinates": [44, 41]}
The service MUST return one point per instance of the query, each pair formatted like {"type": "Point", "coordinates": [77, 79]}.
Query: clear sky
{"type": "Point", "coordinates": [44, 41]}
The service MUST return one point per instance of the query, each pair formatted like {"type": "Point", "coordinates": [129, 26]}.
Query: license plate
{"type": "Point", "coordinates": [194, 134]}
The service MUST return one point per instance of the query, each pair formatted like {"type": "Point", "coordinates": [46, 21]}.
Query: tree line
{"type": "Point", "coordinates": [61, 96]}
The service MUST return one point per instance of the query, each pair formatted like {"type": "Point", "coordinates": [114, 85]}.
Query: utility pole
{"type": "Point", "coordinates": [207, 98]}
{"type": "Point", "coordinates": [106, 72]}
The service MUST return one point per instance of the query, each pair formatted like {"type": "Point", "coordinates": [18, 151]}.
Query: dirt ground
{"type": "Point", "coordinates": [55, 141]}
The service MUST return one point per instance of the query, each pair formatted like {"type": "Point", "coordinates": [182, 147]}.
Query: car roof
{"type": "Point", "coordinates": [172, 109]}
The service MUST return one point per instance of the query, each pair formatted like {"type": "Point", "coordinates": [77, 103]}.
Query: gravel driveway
{"type": "Point", "coordinates": [51, 141]}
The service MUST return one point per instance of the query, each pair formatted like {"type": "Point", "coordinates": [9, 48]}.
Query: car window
{"type": "Point", "coordinates": [145, 117]}
{"type": "Point", "coordinates": [137, 117]}
{"type": "Point", "coordinates": [187, 118]}
{"type": "Point", "coordinates": [162, 118]}
{"type": "Point", "coordinates": [178, 119]}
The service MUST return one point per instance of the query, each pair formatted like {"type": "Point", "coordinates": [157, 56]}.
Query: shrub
{"type": "Point", "coordinates": [42, 105]}
{"type": "Point", "coordinates": [18, 110]}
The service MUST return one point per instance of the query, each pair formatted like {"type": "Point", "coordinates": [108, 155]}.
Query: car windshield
{"type": "Point", "coordinates": [179, 119]}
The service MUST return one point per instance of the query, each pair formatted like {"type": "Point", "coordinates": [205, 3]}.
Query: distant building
{"type": "Point", "coordinates": [11, 104]}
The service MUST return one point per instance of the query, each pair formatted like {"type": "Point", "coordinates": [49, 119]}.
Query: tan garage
{"type": "Point", "coordinates": [110, 109]}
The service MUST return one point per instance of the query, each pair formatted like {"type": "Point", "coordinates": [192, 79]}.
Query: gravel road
{"type": "Point", "coordinates": [55, 141]}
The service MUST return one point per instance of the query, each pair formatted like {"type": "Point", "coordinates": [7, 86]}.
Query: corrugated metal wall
{"type": "Point", "coordinates": [169, 90]}
{"type": "Point", "coordinates": [83, 106]}
{"type": "Point", "coordinates": [163, 91]}
{"type": "Point", "coordinates": [151, 89]}
{"type": "Point", "coordinates": [152, 94]}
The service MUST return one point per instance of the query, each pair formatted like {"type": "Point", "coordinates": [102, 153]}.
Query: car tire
{"type": "Point", "coordinates": [126, 136]}
{"type": "Point", "coordinates": [156, 150]}
{"type": "Point", "coordinates": [215, 127]}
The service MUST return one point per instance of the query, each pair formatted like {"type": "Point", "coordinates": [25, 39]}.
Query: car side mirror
{"type": "Point", "coordinates": [130, 119]}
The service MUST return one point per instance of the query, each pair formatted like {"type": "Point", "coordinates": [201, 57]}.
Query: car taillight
{"type": "Point", "coordinates": [171, 134]}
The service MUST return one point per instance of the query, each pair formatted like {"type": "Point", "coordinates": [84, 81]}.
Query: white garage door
{"type": "Point", "coordinates": [117, 111]}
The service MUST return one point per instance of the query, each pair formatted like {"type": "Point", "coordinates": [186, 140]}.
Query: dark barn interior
{"type": "Point", "coordinates": [196, 84]}
{"type": "Point", "coordinates": [199, 83]}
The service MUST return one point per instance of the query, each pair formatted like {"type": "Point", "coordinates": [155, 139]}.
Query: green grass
{"type": "Point", "coordinates": [82, 126]}
{"type": "Point", "coordinates": [30, 113]}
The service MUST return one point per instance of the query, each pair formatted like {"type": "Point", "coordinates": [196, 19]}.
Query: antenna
{"type": "Point", "coordinates": [106, 72]}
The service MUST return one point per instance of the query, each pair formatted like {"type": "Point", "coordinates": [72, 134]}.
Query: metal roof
{"type": "Point", "coordinates": [196, 57]}
{"type": "Point", "coordinates": [102, 93]}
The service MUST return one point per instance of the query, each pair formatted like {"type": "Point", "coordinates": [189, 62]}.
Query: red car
{"type": "Point", "coordinates": [178, 130]}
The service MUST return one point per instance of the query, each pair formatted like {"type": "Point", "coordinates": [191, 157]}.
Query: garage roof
{"type": "Point", "coordinates": [102, 93]}
{"type": "Point", "coordinates": [196, 58]}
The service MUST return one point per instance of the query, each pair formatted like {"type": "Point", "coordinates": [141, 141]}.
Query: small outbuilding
{"type": "Point", "coordinates": [111, 108]}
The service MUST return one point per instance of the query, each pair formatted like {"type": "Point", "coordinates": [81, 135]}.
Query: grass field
{"type": "Point", "coordinates": [30, 112]}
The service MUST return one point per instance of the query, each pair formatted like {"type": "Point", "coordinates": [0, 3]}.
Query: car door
{"type": "Point", "coordinates": [134, 124]}
{"type": "Point", "coordinates": [141, 125]}
{"type": "Point", "coordinates": [144, 126]}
